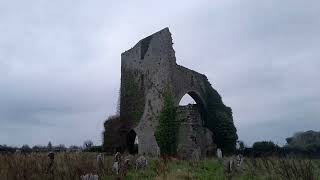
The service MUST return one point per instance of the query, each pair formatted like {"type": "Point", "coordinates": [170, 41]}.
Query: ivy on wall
{"type": "Point", "coordinates": [110, 138]}
{"type": "Point", "coordinates": [132, 94]}
{"type": "Point", "coordinates": [220, 121]}
{"type": "Point", "coordinates": [167, 131]}
{"type": "Point", "coordinates": [131, 107]}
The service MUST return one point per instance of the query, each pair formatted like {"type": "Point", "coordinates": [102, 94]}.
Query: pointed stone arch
{"type": "Point", "coordinates": [148, 71]}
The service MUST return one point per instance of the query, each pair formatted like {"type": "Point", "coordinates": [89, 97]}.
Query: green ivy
{"type": "Point", "coordinates": [133, 92]}
{"type": "Point", "coordinates": [220, 121]}
{"type": "Point", "coordinates": [167, 131]}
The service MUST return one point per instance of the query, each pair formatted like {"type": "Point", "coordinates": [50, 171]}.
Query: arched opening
{"type": "Point", "coordinates": [192, 99]}
{"type": "Point", "coordinates": [186, 99]}
{"type": "Point", "coordinates": [132, 142]}
{"type": "Point", "coordinates": [193, 135]}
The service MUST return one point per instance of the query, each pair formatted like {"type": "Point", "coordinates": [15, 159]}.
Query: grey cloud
{"type": "Point", "coordinates": [60, 62]}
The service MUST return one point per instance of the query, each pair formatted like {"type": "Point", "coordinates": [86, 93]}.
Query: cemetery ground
{"type": "Point", "coordinates": [70, 166]}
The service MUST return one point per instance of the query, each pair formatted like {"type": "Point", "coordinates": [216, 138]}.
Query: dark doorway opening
{"type": "Point", "coordinates": [132, 142]}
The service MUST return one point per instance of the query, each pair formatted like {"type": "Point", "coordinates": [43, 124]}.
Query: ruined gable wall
{"type": "Point", "coordinates": [152, 58]}
{"type": "Point", "coordinates": [148, 70]}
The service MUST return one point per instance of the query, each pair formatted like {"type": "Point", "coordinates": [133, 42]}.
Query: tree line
{"type": "Point", "coordinates": [88, 146]}
{"type": "Point", "coordinates": [301, 144]}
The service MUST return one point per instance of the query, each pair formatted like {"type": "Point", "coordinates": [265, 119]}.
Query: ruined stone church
{"type": "Point", "coordinates": [148, 70]}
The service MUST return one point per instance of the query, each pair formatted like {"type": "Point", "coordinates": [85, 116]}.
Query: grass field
{"type": "Point", "coordinates": [70, 166]}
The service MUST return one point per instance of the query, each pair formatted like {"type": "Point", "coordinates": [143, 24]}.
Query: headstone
{"type": "Point", "coordinates": [117, 157]}
{"type": "Point", "coordinates": [115, 167]}
{"type": "Point", "coordinates": [100, 160]}
{"type": "Point", "coordinates": [141, 162]}
{"type": "Point", "coordinates": [89, 177]}
{"type": "Point", "coordinates": [195, 155]}
{"type": "Point", "coordinates": [129, 160]}
{"type": "Point", "coordinates": [99, 157]}
{"type": "Point", "coordinates": [239, 160]}
{"type": "Point", "coordinates": [219, 153]}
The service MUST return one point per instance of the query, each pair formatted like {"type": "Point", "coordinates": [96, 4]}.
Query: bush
{"type": "Point", "coordinates": [167, 131]}
{"type": "Point", "coordinates": [26, 149]}
{"type": "Point", "coordinates": [7, 149]}
{"type": "Point", "coordinates": [94, 149]}
{"type": "Point", "coordinates": [220, 121]}
{"type": "Point", "coordinates": [264, 148]}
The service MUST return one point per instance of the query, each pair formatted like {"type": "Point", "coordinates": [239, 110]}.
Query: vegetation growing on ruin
{"type": "Point", "coordinates": [133, 91]}
{"type": "Point", "coordinates": [110, 128]}
{"type": "Point", "coordinates": [219, 120]}
{"type": "Point", "coordinates": [167, 131]}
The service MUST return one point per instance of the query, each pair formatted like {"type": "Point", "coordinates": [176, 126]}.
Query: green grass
{"type": "Point", "coordinates": [69, 166]}
{"type": "Point", "coordinates": [157, 169]}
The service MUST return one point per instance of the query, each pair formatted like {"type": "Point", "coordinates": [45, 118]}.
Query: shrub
{"type": "Point", "coordinates": [167, 131]}
{"type": "Point", "coordinates": [220, 121]}
{"type": "Point", "coordinates": [94, 149]}
{"type": "Point", "coordinates": [264, 148]}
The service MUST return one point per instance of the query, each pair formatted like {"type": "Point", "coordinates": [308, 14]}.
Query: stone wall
{"type": "Point", "coordinates": [195, 140]}
{"type": "Point", "coordinates": [148, 70]}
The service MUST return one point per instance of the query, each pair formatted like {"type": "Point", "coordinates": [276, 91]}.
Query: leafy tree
{"type": "Point", "coordinates": [264, 148]}
{"type": "Point", "coordinates": [167, 131]}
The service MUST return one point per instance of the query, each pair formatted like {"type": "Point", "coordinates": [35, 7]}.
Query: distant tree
{"type": "Point", "coordinates": [306, 144]}
{"type": "Point", "coordinates": [304, 139]}
{"type": "Point", "coordinates": [74, 148]}
{"type": "Point", "coordinates": [38, 148]}
{"type": "Point", "coordinates": [60, 148]}
{"type": "Point", "coordinates": [240, 145]}
{"type": "Point", "coordinates": [94, 149]}
{"type": "Point", "coordinates": [26, 149]}
{"type": "Point", "coordinates": [264, 148]}
{"type": "Point", "coordinates": [289, 140]}
{"type": "Point", "coordinates": [87, 144]}
{"type": "Point", "coordinates": [49, 147]}
{"type": "Point", "coordinates": [5, 148]}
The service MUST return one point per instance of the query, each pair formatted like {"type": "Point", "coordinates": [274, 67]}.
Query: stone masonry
{"type": "Point", "coordinates": [195, 140]}
{"type": "Point", "coordinates": [148, 70]}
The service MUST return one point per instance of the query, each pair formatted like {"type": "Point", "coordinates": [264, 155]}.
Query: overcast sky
{"type": "Point", "coordinates": [60, 62]}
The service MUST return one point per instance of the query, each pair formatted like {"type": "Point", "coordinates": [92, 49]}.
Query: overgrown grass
{"type": "Point", "coordinates": [176, 169]}
{"type": "Point", "coordinates": [280, 168]}
{"type": "Point", "coordinates": [70, 166]}
{"type": "Point", "coordinates": [67, 166]}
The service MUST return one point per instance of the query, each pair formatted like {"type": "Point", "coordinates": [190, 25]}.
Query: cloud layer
{"type": "Point", "coordinates": [60, 63]}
